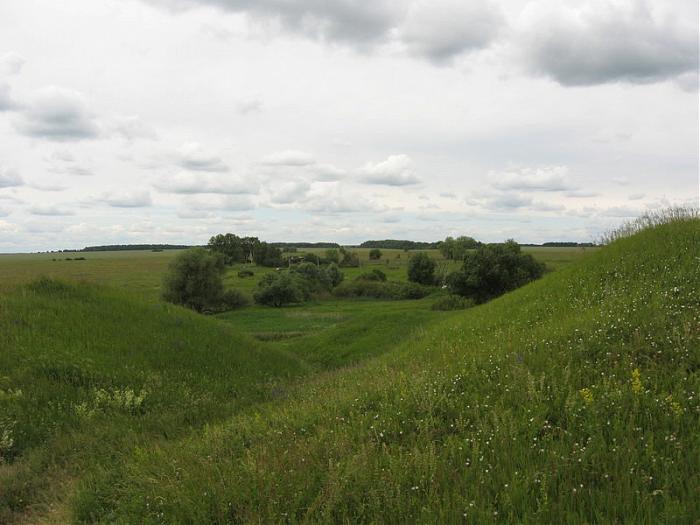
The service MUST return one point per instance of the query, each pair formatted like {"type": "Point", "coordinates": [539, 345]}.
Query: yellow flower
{"type": "Point", "coordinates": [637, 386]}
{"type": "Point", "coordinates": [587, 395]}
{"type": "Point", "coordinates": [675, 406]}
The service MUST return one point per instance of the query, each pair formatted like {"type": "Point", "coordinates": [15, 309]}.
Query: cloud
{"type": "Point", "coordinates": [194, 183]}
{"type": "Point", "coordinates": [582, 194]}
{"type": "Point", "coordinates": [58, 114]}
{"type": "Point", "coordinates": [290, 192]}
{"type": "Point", "coordinates": [9, 178]}
{"type": "Point", "coordinates": [11, 63]}
{"type": "Point", "coordinates": [553, 178]}
{"type": "Point", "coordinates": [396, 170]}
{"type": "Point", "coordinates": [132, 128]}
{"type": "Point", "coordinates": [50, 210]}
{"type": "Point", "coordinates": [6, 101]}
{"type": "Point", "coordinates": [508, 201]}
{"type": "Point", "coordinates": [327, 173]}
{"type": "Point", "coordinates": [62, 162]}
{"type": "Point", "coordinates": [47, 187]}
{"type": "Point", "coordinates": [193, 157]}
{"type": "Point", "coordinates": [249, 107]}
{"type": "Point", "coordinates": [440, 30]}
{"type": "Point", "coordinates": [289, 157]}
{"type": "Point", "coordinates": [599, 41]}
{"type": "Point", "coordinates": [219, 202]}
{"type": "Point", "coordinates": [127, 199]}
{"type": "Point", "coordinates": [344, 21]}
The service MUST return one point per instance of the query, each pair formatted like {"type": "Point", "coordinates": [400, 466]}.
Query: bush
{"type": "Point", "coordinates": [493, 270]}
{"type": "Point", "coordinates": [348, 259]}
{"type": "Point", "coordinates": [333, 275]}
{"type": "Point", "coordinates": [332, 255]}
{"type": "Point", "coordinates": [421, 269]}
{"type": "Point", "coordinates": [280, 288]}
{"type": "Point", "coordinates": [452, 302]}
{"type": "Point", "coordinates": [375, 254]}
{"type": "Point", "coordinates": [195, 279]}
{"type": "Point", "coordinates": [246, 273]}
{"type": "Point", "coordinates": [381, 290]}
{"type": "Point", "coordinates": [374, 275]}
{"type": "Point", "coordinates": [233, 299]}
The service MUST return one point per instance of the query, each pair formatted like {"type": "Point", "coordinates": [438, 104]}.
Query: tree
{"type": "Point", "coordinates": [334, 275]}
{"type": "Point", "coordinates": [230, 246]}
{"type": "Point", "coordinates": [375, 254]}
{"type": "Point", "coordinates": [265, 254]}
{"type": "Point", "coordinates": [492, 270]}
{"type": "Point", "coordinates": [279, 288]}
{"type": "Point", "coordinates": [456, 249]}
{"type": "Point", "coordinates": [332, 255]}
{"type": "Point", "coordinates": [421, 269]}
{"type": "Point", "coordinates": [195, 279]}
{"type": "Point", "coordinates": [348, 259]}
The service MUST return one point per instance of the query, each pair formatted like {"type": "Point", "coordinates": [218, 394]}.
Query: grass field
{"type": "Point", "coordinates": [571, 400]}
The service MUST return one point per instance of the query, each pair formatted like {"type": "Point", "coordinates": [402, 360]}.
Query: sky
{"type": "Point", "coordinates": [169, 121]}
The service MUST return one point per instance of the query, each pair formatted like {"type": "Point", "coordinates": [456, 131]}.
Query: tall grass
{"type": "Point", "coordinates": [651, 219]}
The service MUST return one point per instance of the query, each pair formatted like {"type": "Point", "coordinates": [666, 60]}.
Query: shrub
{"type": "Point", "coordinates": [333, 275]}
{"type": "Point", "coordinates": [348, 259]}
{"type": "Point", "coordinates": [233, 299]}
{"type": "Point", "coordinates": [381, 290]}
{"type": "Point", "coordinates": [421, 269]}
{"type": "Point", "coordinates": [280, 288]}
{"type": "Point", "coordinates": [195, 279]}
{"type": "Point", "coordinates": [374, 275]}
{"type": "Point", "coordinates": [375, 254]}
{"type": "Point", "coordinates": [493, 270]}
{"type": "Point", "coordinates": [452, 302]}
{"type": "Point", "coordinates": [246, 273]}
{"type": "Point", "coordinates": [332, 255]}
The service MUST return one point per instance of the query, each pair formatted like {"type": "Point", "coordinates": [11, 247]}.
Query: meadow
{"type": "Point", "coordinates": [571, 400]}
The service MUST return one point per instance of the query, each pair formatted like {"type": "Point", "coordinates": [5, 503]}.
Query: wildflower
{"type": "Point", "coordinates": [587, 395]}
{"type": "Point", "coordinates": [674, 405]}
{"type": "Point", "coordinates": [636, 382]}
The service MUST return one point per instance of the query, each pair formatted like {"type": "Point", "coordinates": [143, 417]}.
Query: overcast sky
{"type": "Point", "coordinates": [130, 121]}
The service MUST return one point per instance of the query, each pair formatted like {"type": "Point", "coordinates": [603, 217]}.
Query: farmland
{"type": "Point", "coordinates": [573, 399]}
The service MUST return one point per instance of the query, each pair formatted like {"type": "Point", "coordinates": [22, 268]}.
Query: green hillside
{"type": "Point", "coordinates": [571, 400]}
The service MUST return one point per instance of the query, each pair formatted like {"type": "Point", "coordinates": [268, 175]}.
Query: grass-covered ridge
{"type": "Point", "coordinates": [572, 400]}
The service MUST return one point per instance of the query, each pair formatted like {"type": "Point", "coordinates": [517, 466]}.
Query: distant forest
{"type": "Point", "coordinates": [125, 247]}
{"type": "Point", "coordinates": [395, 244]}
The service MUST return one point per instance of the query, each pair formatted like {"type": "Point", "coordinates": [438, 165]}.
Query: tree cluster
{"type": "Point", "coordinates": [237, 249]}
{"type": "Point", "coordinates": [298, 284]}
{"type": "Point", "coordinates": [456, 249]}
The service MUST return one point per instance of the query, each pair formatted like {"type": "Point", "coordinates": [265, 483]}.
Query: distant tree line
{"type": "Point", "coordinates": [396, 244]}
{"type": "Point", "coordinates": [305, 245]}
{"type": "Point", "coordinates": [126, 247]}
{"type": "Point", "coordinates": [235, 249]}
{"type": "Point", "coordinates": [456, 249]}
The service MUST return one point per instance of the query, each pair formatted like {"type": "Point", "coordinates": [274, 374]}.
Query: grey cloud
{"type": "Point", "coordinates": [9, 178]}
{"type": "Point", "coordinates": [194, 157]}
{"type": "Point", "coordinates": [582, 194]}
{"type": "Point", "coordinates": [508, 202]}
{"type": "Point", "coordinates": [327, 173]}
{"type": "Point", "coordinates": [6, 101]}
{"type": "Point", "coordinates": [344, 21]}
{"type": "Point", "coordinates": [47, 187]}
{"type": "Point", "coordinates": [396, 170]}
{"type": "Point", "coordinates": [534, 179]}
{"type": "Point", "coordinates": [289, 158]}
{"type": "Point", "coordinates": [191, 184]}
{"type": "Point", "coordinates": [248, 107]}
{"type": "Point", "coordinates": [63, 162]}
{"type": "Point", "coordinates": [441, 30]}
{"type": "Point", "coordinates": [57, 114]}
{"type": "Point", "coordinates": [51, 210]}
{"type": "Point", "coordinates": [614, 42]}
{"type": "Point", "coordinates": [127, 199]}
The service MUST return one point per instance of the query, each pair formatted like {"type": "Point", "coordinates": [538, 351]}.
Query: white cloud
{"type": "Point", "coordinates": [132, 128]}
{"type": "Point", "coordinates": [290, 192]}
{"type": "Point", "coordinates": [11, 63]}
{"type": "Point", "coordinates": [218, 203]}
{"type": "Point", "coordinates": [7, 103]}
{"type": "Point", "coordinates": [289, 157]}
{"type": "Point", "coordinates": [396, 170]}
{"type": "Point", "coordinates": [193, 157]}
{"type": "Point", "coordinates": [555, 178]}
{"type": "Point", "coordinates": [127, 199]}
{"type": "Point", "coordinates": [62, 162]}
{"type": "Point", "coordinates": [58, 114]}
{"type": "Point", "coordinates": [193, 183]}
{"type": "Point", "coordinates": [327, 173]}
{"type": "Point", "coordinates": [50, 210]}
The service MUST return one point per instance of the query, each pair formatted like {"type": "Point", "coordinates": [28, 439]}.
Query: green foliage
{"type": "Point", "coordinates": [452, 302]}
{"type": "Point", "coordinates": [333, 275]}
{"type": "Point", "coordinates": [381, 290]}
{"type": "Point", "coordinates": [373, 275]}
{"type": "Point", "coordinates": [195, 279]}
{"type": "Point", "coordinates": [397, 244]}
{"type": "Point", "coordinates": [421, 269]}
{"type": "Point", "coordinates": [375, 254]}
{"type": "Point", "coordinates": [281, 288]}
{"type": "Point", "coordinates": [265, 254]}
{"type": "Point", "coordinates": [492, 270]}
{"type": "Point", "coordinates": [245, 273]}
{"type": "Point", "coordinates": [348, 259]}
{"type": "Point", "coordinates": [456, 249]}
{"type": "Point", "coordinates": [332, 255]}
{"type": "Point", "coordinates": [234, 299]}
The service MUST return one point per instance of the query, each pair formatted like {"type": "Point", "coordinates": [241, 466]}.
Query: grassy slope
{"type": "Point", "coordinates": [572, 400]}
{"type": "Point", "coordinates": [71, 354]}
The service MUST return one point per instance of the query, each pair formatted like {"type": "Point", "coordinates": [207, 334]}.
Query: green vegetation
{"type": "Point", "coordinates": [573, 399]}
{"type": "Point", "coordinates": [421, 269]}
